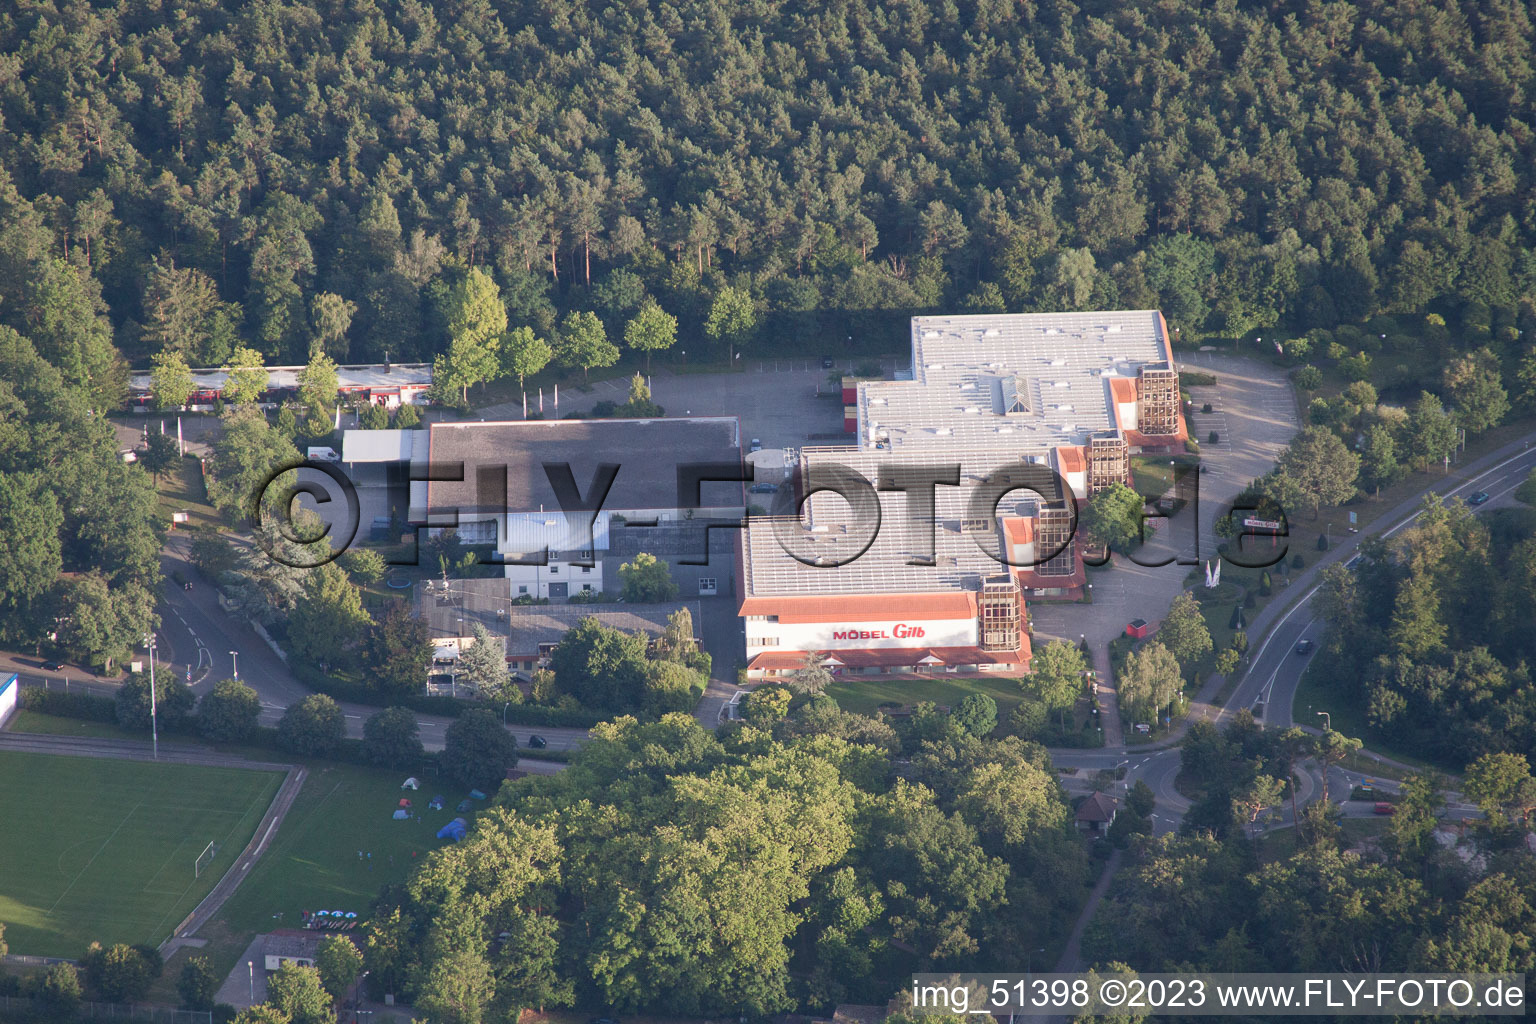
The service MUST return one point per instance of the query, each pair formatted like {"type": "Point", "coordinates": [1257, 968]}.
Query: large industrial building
{"type": "Point", "coordinates": [1020, 409]}
{"type": "Point", "coordinates": [491, 483]}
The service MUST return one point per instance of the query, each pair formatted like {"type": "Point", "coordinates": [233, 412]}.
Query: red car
{"type": "Point", "coordinates": [1382, 807]}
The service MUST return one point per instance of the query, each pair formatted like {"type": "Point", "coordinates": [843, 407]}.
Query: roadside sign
{"type": "Point", "coordinates": [1353, 519]}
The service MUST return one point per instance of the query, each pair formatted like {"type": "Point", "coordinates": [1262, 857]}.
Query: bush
{"type": "Point", "coordinates": [1526, 492]}
{"type": "Point", "coordinates": [1322, 542]}
{"type": "Point", "coordinates": [1196, 378]}
{"type": "Point", "coordinates": [1297, 562]}
{"type": "Point", "coordinates": [228, 712]}
{"type": "Point", "coordinates": [313, 727]}
{"type": "Point", "coordinates": [69, 705]}
{"type": "Point", "coordinates": [173, 703]}
{"type": "Point", "coordinates": [605, 409]}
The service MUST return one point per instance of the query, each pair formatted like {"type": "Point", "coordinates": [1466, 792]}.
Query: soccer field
{"type": "Point", "coordinates": [102, 850]}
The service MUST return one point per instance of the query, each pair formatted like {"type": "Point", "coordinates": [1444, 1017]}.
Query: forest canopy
{"type": "Point", "coordinates": [300, 175]}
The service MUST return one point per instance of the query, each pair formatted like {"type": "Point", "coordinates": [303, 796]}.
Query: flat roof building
{"type": "Point", "coordinates": [1020, 416]}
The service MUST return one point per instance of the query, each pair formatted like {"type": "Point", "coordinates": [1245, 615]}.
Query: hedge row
{"type": "Point", "coordinates": [448, 707]}
{"type": "Point", "coordinates": [69, 705]}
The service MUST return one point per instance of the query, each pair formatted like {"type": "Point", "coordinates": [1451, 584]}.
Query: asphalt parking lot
{"type": "Point", "coordinates": [1254, 415]}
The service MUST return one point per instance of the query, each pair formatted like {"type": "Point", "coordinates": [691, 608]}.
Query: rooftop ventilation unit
{"type": "Point", "coordinates": [971, 410]}
{"type": "Point", "coordinates": [935, 366]}
{"type": "Point", "coordinates": [992, 332]}
{"type": "Point", "coordinates": [1058, 362]}
{"type": "Point", "coordinates": [1061, 384]}
{"type": "Point", "coordinates": [1052, 330]}
{"type": "Point", "coordinates": [1113, 328]}
{"type": "Point", "coordinates": [930, 334]}
{"type": "Point", "coordinates": [943, 431]}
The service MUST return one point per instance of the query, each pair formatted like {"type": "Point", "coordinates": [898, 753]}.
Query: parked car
{"type": "Point", "coordinates": [763, 488]}
{"type": "Point", "coordinates": [827, 362]}
{"type": "Point", "coordinates": [1304, 647]}
{"type": "Point", "coordinates": [1478, 498]}
{"type": "Point", "coordinates": [1382, 807]}
{"type": "Point", "coordinates": [53, 666]}
{"type": "Point", "coordinates": [538, 742]}
{"type": "Point", "coordinates": [757, 446]}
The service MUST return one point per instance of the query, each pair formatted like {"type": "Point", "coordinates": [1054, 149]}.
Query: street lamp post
{"type": "Point", "coordinates": [1327, 721]}
{"type": "Point", "coordinates": [250, 967]}
{"type": "Point", "coordinates": [154, 727]}
{"type": "Point", "coordinates": [235, 657]}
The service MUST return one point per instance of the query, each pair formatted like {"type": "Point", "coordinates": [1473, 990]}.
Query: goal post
{"type": "Point", "coordinates": [204, 859]}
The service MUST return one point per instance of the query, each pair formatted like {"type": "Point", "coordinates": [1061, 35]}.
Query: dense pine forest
{"type": "Point", "coordinates": [300, 175]}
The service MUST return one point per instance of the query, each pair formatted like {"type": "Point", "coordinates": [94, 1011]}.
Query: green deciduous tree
{"type": "Point", "coordinates": [247, 376]}
{"type": "Point", "coordinates": [1149, 682]}
{"type": "Point", "coordinates": [477, 751]}
{"type": "Point", "coordinates": [197, 983]}
{"type": "Point", "coordinates": [339, 962]}
{"type": "Point", "coordinates": [1184, 632]}
{"type": "Point", "coordinates": [1472, 383]}
{"type": "Point", "coordinates": [583, 342]}
{"type": "Point", "coordinates": [159, 455]}
{"type": "Point", "coordinates": [296, 992]}
{"type": "Point", "coordinates": [397, 651]}
{"type": "Point", "coordinates": [314, 727]}
{"type": "Point", "coordinates": [1321, 468]}
{"type": "Point", "coordinates": [647, 579]}
{"type": "Point", "coordinates": [1112, 517]}
{"type": "Point", "coordinates": [174, 702]}
{"type": "Point", "coordinates": [1056, 676]}
{"type": "Point", "coordinates": [523, 353]}
{"type": "Point", "coordinates": [170, 381]}
{"type": "Point", "coordinates": [392, 738]}
{"type": "Point", "coordinates": [228, 712]}
{"type": "Point", "coordinates": [732, 318]}
{"type": "Point", "coordinates": [976, 714]}
{"type": "Point", "coordinates": [476, 321]}
{"type": "Point", "coordinates": [328, 619]}
{"type": "Point", "coordinates": [652, 329]}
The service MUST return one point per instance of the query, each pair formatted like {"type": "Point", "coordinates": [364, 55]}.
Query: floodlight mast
{"type": "Point", "coordinates": [154, 728]}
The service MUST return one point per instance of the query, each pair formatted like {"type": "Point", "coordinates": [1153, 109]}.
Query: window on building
{"type": "Point", "coordinates": [522, 590]}
{"type": "Point", "coordinates": [587, 587]}
{"type": "Point", "coordinates": [554, 570]}
{"type": "Point", "coordinates": [586, 568]}
{"type": "Point", "coordinates": [763, 641]}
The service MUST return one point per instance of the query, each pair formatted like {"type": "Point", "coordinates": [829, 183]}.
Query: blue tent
{"type": "Point", "coordinates": [402, 815]}
{"type": "Point", "coordinates": [476, 794]}
{"type": "Point", "coordinates": [454, 830]}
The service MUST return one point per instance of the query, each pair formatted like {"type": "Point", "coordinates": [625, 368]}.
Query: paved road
{"type": "Point", "coordinates": [1276, 670]}
{"type": "Point", "coordinates": [195, 632]}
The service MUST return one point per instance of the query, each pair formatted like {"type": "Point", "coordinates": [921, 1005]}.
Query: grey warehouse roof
{"type": "Point", "coordinates": [647, 452]}
{"type": "Point", "coordinates": [1010, 380]}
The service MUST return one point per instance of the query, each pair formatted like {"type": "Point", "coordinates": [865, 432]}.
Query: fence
{"type": "Point", "coordinates": [21, 1006]}
{"type": "Point", "coordinates": [67, 686]}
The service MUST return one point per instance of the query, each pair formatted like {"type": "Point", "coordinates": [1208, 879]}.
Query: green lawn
{"type": "Point", "coordinates": [312, 863]}
{"type": "Point", "coordinates": [104, 850]}
{"type": "Point", "coordinates": [865, 696]}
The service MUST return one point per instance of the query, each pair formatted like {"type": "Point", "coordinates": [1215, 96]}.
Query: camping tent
{"type": "Point", "coordinates": [454, 830]}
{"type": "Point", "coordinates": [410, 783]}
{"type": "Point", "coordinates": [401, 815]}
{"type": "Point", "coordinates": [477, 794]}
{"type": "Point", "coordinates": [404, 802]}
